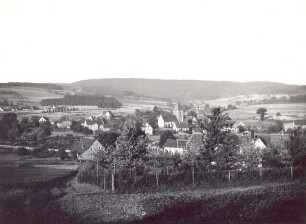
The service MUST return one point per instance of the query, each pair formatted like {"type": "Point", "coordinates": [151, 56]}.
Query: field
{"type": "Point", "coordinates": [16, 171]}
{"type": "Point", "coordinates": [28, 95]}
{"type": "Point", "coordinates": [288, 112]}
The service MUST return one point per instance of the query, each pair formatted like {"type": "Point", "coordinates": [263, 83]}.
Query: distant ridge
{"type": "Point", "coordinates": [184, 89]}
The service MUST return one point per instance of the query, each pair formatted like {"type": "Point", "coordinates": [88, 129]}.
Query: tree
{"type": "Point", "coordinates": [107, 138]}
{"type": "Point", "coordinates": [164, 136]}
{"type": "Point", "coordinates": [22, 151]}
{"type": "Point", "coordinates": [157, 162]}
{"type": "Point", "coordinates": [190, 158]}
{"type": "Point", "coordinates": [219, 144]}
{"type": "Point", "coordinates": [262, 112]}
{"type": "Point", "coordinates": [131, 145]}
{"type": "Point", "coordinates": [295, 146]}
{"type": "Point", "coordinates": [206, 107]}
{"type": "Point", "coordinates": [192, 113]}
{"type": "Point", "coordinates": [251, 155]}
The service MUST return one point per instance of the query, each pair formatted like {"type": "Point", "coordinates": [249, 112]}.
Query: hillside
{"type": "Point", "coordinates": [184, 89]}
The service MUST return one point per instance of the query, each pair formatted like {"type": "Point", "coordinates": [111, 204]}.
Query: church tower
{"type": "Point", "coordinates": [178, 112]}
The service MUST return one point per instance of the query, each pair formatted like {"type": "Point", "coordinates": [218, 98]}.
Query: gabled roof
{"type": "Point", "coordinates": [63, 118]}
{"type": "Point", "coordinates": [175, 143]}
{"type": "Point", "coordinates": [196, 140]}
{"type": "Point", "coordinates": [90, 122]}
{"type": "Point", "coordinates": [169, 118]}
{"type": "Point", "coordinates": [83, 144]}
{"type": "Point", "coordinates": [108, 126]}
{"type": "Point", "coordinates": [276, 140]}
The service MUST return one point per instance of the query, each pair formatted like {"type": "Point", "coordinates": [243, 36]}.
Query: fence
{"type": "Point", "coordinates": [150, 182]}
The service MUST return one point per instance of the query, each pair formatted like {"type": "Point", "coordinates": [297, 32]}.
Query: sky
{"type": "Point", "coordinates": [63, 41]}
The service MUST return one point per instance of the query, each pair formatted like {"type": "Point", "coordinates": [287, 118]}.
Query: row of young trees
{"type": "Point", "coordinates": [130, 156]}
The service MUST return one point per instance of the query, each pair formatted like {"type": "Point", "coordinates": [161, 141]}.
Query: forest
{"type": "Point", "coordinates": [89, 100]}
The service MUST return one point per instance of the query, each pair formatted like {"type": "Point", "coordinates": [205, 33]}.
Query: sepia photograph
{"type": "Point", "coordinates": [152, 112]}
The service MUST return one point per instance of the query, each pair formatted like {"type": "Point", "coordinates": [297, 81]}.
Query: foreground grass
{"type": "Point", "coordinates": [269, 203]}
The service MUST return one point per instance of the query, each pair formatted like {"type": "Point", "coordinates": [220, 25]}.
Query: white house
{"type": "Point", "coordinates": [107, 114]}
{"type": "Point", "coordinates": [1, 109]}
{"type": "Point", "coordinates": [294, 124]}
{"type": "Point", "coordinates": [43, 120]}
{"type": "Point", "coordinates": [166, 121]}
{"type": "Point", "coordinates": [259, 142]}
{"type": "Point", "coordinates": [148, 129]}
{"type": "Point", "coordinates": [175, 146]}
{"type": "Point", "coordinates": [93, 124]}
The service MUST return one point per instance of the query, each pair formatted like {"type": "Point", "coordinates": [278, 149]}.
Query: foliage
{"type": "Point", "coordinates": [164, 136]}
{"type": "Point", "coordinates": [22, 151]}
{"type": "Point", "coordinates": [94, 100]}
{"type": "Point", "coordinates": [219, 144]}
{"type": "Point", "coordinates": [192, 113]}
{"type": "Point", "coordinates": [107, 139]}
{"type": "Point", "coordinates": [131, 145]}
{"type": "Point", "coordinates": [261, 111]}
{"type": "Point", "coordinates": [295, 145]}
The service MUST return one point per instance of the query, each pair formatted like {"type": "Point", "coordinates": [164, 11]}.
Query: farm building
{"type": "Point", "coordinates": [175, 146]}
{"type": "Point", "coordinates": [294, 124]}
{"type": "Point", "coordinates": [86, 148]}
{"type": "Point", "coordinates": [166, 121]}
{"type": "Point", "coordinates": [148, 129]}
{"type": "Point", "coordinates": [183, 126]}
{"type": "Point", "coordinates": [43, 120]}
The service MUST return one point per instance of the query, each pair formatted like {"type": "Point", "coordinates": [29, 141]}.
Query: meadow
{"type": "Point", "coordinates": [267, 203]}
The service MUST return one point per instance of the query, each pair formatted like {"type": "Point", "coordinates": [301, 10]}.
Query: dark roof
{"type": "Point", "coordinates": [196, 140]}
{"type": "Point", "coordinates": [63, 118]}
{"type": "Point", "coordinates": [169, 118]}
{"type": "Point", "coordinates": [175, 143]}
{"type": "Point", "coordinates": [83, 144]}
{"type": "Point", "coordinates": [181, 125]}
{"type": "Point", "coordinates": [275, 140]}
{"type": "Point", "coordinates": [108, 126]}
{"type": "Point", "coordinates": [90, 122]}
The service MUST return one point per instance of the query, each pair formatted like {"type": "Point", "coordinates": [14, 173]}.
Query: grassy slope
{"type": "Point", "coordinates": [265, 203]}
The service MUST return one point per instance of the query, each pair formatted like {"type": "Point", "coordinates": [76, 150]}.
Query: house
{"type": "Point", "coordinates": [178, 112]}
{"type": "Point", "coordinates": [193, 119]}
{"type": "Point", "coordinates": [196, 140]}
{"type": "Point", "coordinates": [107, 114]}
{"type": "Point", "coordinates": [259, 143]}
{"type": "Point", "coordinates": [294, 124]}
{"type": "Point", "coordinates": [108, 127]}
{"type": "Point", "coordinates": [175, 146]}
{"type": "Point", "coordinates": [166, 121]}
{"type": "Point", "coordinates": [1, 109]}
{"type": "Point", "coordinates": [93, 124]}
{"type": "Point", "coordinates": [148, 129]}
{"type": "Point", "coordinates": [43, 120]}
{"type": "Point", "coordinates": [86, 148]}
{"type": "Point", "coordinates": [183, 126]}
{"type": "Point", "coordinates": [64, 122]}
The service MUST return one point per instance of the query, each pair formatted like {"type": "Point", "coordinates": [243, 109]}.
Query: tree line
{"type": "Point", "coordinates": [91, 100]}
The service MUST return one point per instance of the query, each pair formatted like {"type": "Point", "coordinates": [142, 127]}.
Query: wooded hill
{"type": "Point", "coordinates": [184, 89]}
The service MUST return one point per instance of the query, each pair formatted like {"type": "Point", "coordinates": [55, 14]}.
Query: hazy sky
{"type": "Point", "coordinates": [71, 40]}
